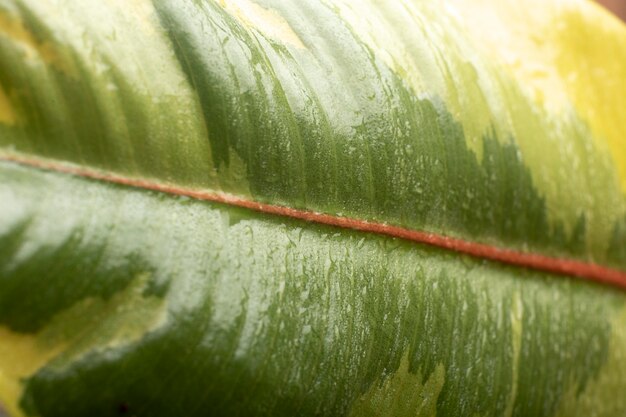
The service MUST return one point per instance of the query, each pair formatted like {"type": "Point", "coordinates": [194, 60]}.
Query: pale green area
{"type": "Point", "coordinates": [390, 113]}
{"type": "Point", "coordinates": [225, 311]}
{"type": "Point", "coordinates": [90, 325]}
{"type": "Point", "coordinates": [386, 111]}
{"type": "Point", "coordinates": [516, 344]}
{"type": "Point", "coordinates": [429, 45]}
{"type": "Point", "coordinates": [402, 393]}
{"type": "Point", "coordinates": [95, 324]}
{"type": "Point", "coordinates": [125, 105]}
{"type": "Point", "coordinates": [604, 395]}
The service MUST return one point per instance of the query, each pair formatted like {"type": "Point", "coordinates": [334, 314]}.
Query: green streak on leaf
{"type": "Point", "coordinates": [13, 28]}
{"type": "Point", "coordinates": [603, 396]}
{"type": "Point", "coordinates": [90, 325]}
{"type": "Point", "coordinates": [7, 113]}
{"type": "Point", "coordinates": [272, 316]}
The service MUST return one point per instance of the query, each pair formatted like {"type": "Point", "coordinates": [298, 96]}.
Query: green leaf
{"type": "Point", "coordinates": [124, 291]}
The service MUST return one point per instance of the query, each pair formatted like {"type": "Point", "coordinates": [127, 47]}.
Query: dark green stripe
{"type": "Point", "coordinates": [268, 316]}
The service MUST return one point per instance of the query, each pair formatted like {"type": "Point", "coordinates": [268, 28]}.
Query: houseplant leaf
{"type": "Point", "coordinates": [119, 294]}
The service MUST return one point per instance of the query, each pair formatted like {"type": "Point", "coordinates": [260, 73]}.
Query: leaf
{"type": "Point", "coordinates": [173, 175]}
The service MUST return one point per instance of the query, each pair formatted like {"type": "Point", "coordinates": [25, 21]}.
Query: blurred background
{"type": "Point", "coordinates": [616, 6]}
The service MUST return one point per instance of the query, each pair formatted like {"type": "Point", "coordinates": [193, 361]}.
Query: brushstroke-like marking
{"type": "Point", "coordinates": [585, 270]}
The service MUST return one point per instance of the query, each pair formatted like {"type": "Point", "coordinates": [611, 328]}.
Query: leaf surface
{"type": "Point", "coordinates": [116, 300]}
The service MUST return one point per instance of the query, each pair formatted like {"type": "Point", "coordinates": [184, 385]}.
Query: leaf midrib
{"type": "Point", "coordinates": [561, 266]}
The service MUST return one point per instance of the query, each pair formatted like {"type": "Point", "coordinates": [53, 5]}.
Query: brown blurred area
{"type": "Point", "coordinates": [616, 6]}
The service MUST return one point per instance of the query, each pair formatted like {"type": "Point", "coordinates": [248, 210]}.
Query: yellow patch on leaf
{"type": "Point", "coordinates": [565, 54]}
{"type": "Point", "coordinates": [266, 21]}
{"type": "Point", "coordinates": [401, 394]}
{"type": "Point", "coordinates": [14, 29]}
{"type": "Point", "coordinates": [20, 355]}
{"type": "Point", "coordinates": [92, 324]}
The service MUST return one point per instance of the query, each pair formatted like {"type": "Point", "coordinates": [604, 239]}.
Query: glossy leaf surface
{"type": "Point", "coordinates": [486, 127]}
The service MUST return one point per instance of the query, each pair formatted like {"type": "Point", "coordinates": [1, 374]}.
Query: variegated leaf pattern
{"type": "Point", "coordinates": [495, 122]}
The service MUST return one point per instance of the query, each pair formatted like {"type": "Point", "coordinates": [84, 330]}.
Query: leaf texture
{"type": "Point", "coordinates": [430, 116]}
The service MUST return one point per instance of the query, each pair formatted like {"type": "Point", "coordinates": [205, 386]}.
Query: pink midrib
{"type": "Point", "coordinates": [562, 266]}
